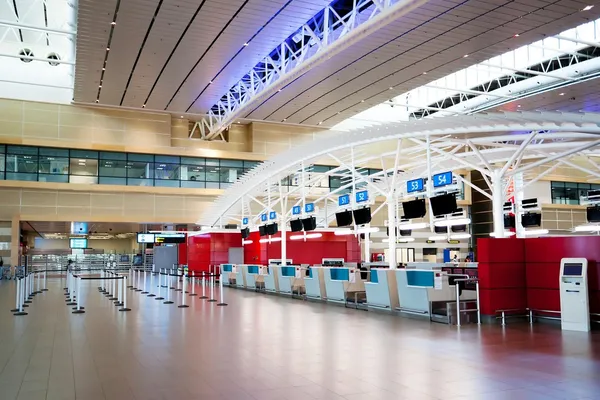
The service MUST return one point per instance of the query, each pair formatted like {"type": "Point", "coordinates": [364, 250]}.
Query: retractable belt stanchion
{"type": "Point", "coordinates": [221, 298]}
{"type": "Point", "coordinates": [160, 286]}
{"type": "Point", "coordinates": [102, 275]}
{"type": "Point", "coordinates": [168, 301]}
{"type": "Point", "coordinates": [26, 287]}
{"type": "Point", "coordinates": [20, 290]}
{"type": "Point", "coordinates": [152, 287]}
{"type": "Point", "coordinates": [124, 292]}
{"type": "Point", "coordinates": [171, 278]}
{"type": "Point", "coordinates": [183, 305]}
{"type": "Point", "coordinates": [78, 309]}
{"type": "Point", "coordinates": [18, 297]}
{"type": "Point", "coordinates": [130, 278]}
{"type": "Point", "coordinates": [165, 285]}
{"type": "Point", "coordinates": [23, 295]}
{"type": "Point", "coordinates": [212, 289]}
{"type": "Point", "coordinates": [177, 288]}
{"type": "Point", "coordinates": [45, 288]}
{"type": "Point", "coordinates": [145, 282]}
{"type": "Point", "coordinates": [203, 286]}
{"type": "Point", "coordinates": [193, 281]}
{"type": "Point", "coordinates": [120, 290]}
{"type": "Point", "coordinates": [108, 287]}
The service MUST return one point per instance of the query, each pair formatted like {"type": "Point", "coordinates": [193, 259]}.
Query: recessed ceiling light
{"type": "Point", "coordinates": [99, 86]}
{"type": "Point", "coordinates": [285, 119]}
{"type": "Point", "coordinates": [209, 82]}
{"type": "Point", "coordinates": [465, 56]}
{"type": "Point", "coordinates": [587, 8]}
{"type": "Point", "coordinates": [96, 100]}
{"type": "Point", "coordinates": [391, 88]}
{"type": "Point", "coordinates": [245, 44]}
{"type": "Point", "coordinates": [182, 116]}
{"type": "Point", "coordinates": [320, 122]}
{"type": "Point", "coordinates": [425, 73]}
{"type": "Point", "coordinates": [103, 69]}
{"type": "Point", "coordinates": [113, 23]}
{"type": "Point", "coordinates": [143, 106]}
{"type": "Point", "coordinates": [516, 35]}
{"type": "Point", "coordinates": [279, 90]}
{"type": "Point", "coordinates": [561, 94]}
{"type": "Point", "coordinates": [362, 101]}
{"type": "Point", "coordinates": [518, 106]}
{"type": "Point", "coordinates": [108, 49]}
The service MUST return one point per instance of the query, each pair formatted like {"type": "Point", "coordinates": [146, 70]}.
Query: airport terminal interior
{"type": "Point", "coordinates": [299, 199]}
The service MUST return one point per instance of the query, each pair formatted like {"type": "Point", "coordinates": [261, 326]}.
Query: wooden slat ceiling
{"type": "Point", "coordinates": [165, 53]}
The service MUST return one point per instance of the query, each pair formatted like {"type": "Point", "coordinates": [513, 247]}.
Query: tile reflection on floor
{"type": "Point", "coordinates": [264, 347]}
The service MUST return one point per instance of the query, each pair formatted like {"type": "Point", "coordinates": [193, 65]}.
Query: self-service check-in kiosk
{"type": "Point", "coordinates": [574, 300]}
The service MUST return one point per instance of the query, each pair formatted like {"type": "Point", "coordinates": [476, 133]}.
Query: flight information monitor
{"type": "Point", "coordinates": [145, 237]}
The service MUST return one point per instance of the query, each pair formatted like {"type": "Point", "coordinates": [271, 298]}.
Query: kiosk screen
{"type": "Point", "coordinates": [573, 270]}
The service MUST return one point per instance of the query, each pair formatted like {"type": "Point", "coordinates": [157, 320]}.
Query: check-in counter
{"type": "Point", "coordinates": [418, 289]}
{"type": "Point", "coordinates": [343, 283]}
{"type": "Point", "coordinates": [382, 290]}
{"type": "Point", "coordinates": [252, 276]}
{"type": "Point", "coordinates": [228, 274]}
{"type": "Point", "coordinates": [271, 278]}
{"type": "Point", "coordinates": [315, 283]}
{"type": "Point", "coordinates": [286, 274]}
{"type": "Point", "coordinates": [240, 276]}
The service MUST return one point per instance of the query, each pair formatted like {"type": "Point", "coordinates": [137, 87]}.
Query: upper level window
{"type": "Point", "coordinates": [570, 192]}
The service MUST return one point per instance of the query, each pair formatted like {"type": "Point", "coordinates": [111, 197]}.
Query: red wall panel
{"type": "Point", "coordinates": [543, 299]}
{"type": "Point", "coordinates": [500, 250]}
{"type": "Point", "coordinates": [210, 249]}
{"type": "Point", "coordinates": [501, 275]}
{"type": "Point", "coordinates": [501, 299]}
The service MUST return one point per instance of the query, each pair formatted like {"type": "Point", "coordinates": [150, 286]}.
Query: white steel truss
{"type": "Point", "coordinates": [326, 34]}
{"type": "Point", "coordinates": [499, 145]}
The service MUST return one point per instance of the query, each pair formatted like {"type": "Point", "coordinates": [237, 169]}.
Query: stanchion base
{"type": "Point", "coordinates": [167, 302]}
{"type": "Point", "coordinates": [178, 290]}
{"type": "Point", "coordinates": [44, 290]}
{"type": "Point", "coordinates": [20, 313]}
{"type": "Point", "coordinates": [151, 295]}
{"type": "Point", "coordinates": [212, 300]}
{"type": "Point", "coordinates": [118, 304]}
{"type": "Point", "coordinates": [193, 294]}
{"type": "Point", "coordinates": [28, 302]}
{"type": "Point", "coordinates": [14, 310]}
{"type": "Point", "coordinates": [159, 298]}
{"type": "Point", "coordinates": [78, 312]}
{"type": "Point", "coordinates": [144, 293]}
{"type": "Point", "coordinates": [25, 305]}
{"type": "Point", "coordinates": [124, 309]}
{"type": "Point", "coordinates": [221, 304]}
{"type": "Point", "coordinates": [163, 286]}
{"type": "Point", "coordinates": [138, 290]}
{"type": "Point", "coordinates": [71, 303]}
{"type": "Point", "coordinates": [203, 297]}
{"type": "Point", "coordinates": [183, 306]}
{"type": "Point", "coordinates": [129, 287]}
{"type": "Point", "coordinates": [172, 288]}
{"type": "Point", "coordinates": [82, 308]}
{"type": "Point", "coordinates": [113, 298]}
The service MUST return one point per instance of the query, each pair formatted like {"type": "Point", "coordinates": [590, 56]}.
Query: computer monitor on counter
{"type": "Point", "coordinates": [332, 262]}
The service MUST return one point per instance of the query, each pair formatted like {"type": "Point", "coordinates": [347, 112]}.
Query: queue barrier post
{"type": "Point", "coordinates": [124, 304]}
{"type": "Point", "coordinates": [120, 290]}
{"type": "Point", "coordinates": [194, 282]}
{"type": "Point", "coordinates": [138, 279]}
{"type": "Point", "coordinates": [130, 278]}
{"type": "Point", "coordinates": [160, 286]}
{"type": "Point", "coordinates": [152, 287]}
{"type": "Point", "coordinates": [71, 284]}
{"type": "Point", "coordinates": [113, 289]}
{"type": "Point", "coordinates": [17, 297]}
{"type": "Point", "coordinates": [145, 291]}
{"type": "Point", "coordinates": [203, 286]}
{"type": "Point", "coordinates": [20, 297]}
{"type": "Point", "coordinates": [45, 288]}
{"type": "Point", "coordinates": [168, 301]}
{"type": "Point", "coordinates": [78, 309]}
{"type": "Point", "coordinates": [212, 289]}
{"type": "Point", "coordinates": [23, 292]}
{"type": "Point", "coordinates": [183, 305]}
{"type": "Point", "coordinates": [221, 298]}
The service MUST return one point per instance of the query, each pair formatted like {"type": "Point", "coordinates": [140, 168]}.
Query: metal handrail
{"type": "Point", "coordinates": [470, 279]}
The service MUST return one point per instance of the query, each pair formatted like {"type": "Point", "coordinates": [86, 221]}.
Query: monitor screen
{"type": "Point", "coordinates": [78, 243]}
{"type": "Point", "coordinates": [245, 233]}
{"type": "Point", "coordinates": [440, 229]}
{"type": "Point", "coordinates": [296, 225]}
{"type": "Point", "coordinates": [145, 237]}
{"type": "Point", "coordinates": [271, 229]}
{"type": "Point", "coordinates": [405, 232]}
{"type": "Point", "coordinates": [444, 204]}
{"type": "Point", "coordinates": [414, 209]}
{"type": "Point", "coordinates": [362, 216]}
{"type": "Point", "coordinates": [309, 224]}
{"type": "Point", "coordinates": [531, 219]}
{"type": "Point", "coordinates": [509, 221]}
{"type": "Point", "coordinates": [573, 270]}
{"type": "Point", "coordinates": [169, 238]}
{"type": "Point", "coordinates": [262, 231]}
{"type": "Point", "coordinates": [344, 218]}
{"type": "Point", "coordinates": [593, 214]}
{"type": "Point", "coordinates": [458, 228]}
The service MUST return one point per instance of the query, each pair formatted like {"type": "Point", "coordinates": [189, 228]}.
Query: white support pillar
{"type": "Point", "coordinates": [497, 204]}
{"type": "Point", "coordinates": [283, 241]}
{"type": "Point", "coordinates": [367, 248]}
{"type": "Point", "coordinates": [519, 194]}
{"type": "Point", "coordinates": [391, 206]}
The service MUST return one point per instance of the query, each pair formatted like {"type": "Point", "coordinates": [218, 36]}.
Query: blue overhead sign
{"type": "Point", "coordinates": [263, 217]}
{"type": "Point", "coordinates": [309, 207]}
{"type": "Point", "coordinates": [443, 179]}
{"type": "Point", "coordinates": [245, 221]}
{"type": "Point", "coordinates": [362, 196]}
{"type": "Point", "coordinates": [296, 210]}
{"type": "Point", "coordinates": [344, 200]}
{"type": "Point", "coordinates": [272, 215]}
{"type": "Point", "coordinates": [416, 185]}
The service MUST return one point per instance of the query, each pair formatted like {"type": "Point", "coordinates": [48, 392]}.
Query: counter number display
{"type": "Point", "coordinates": [309, 208]}
{"type": "Point", "coordinates": [296, 210]}
{"type": "Point", "coordinates": [245, 221]}
{"type": "Point", "coordinates": [362, 196]}
{"type": "Point", "coordinates": [263, 217]}
{"type": "Point", "coordinates": [415, 185]}
{"type": "Point", "coordinates": [273, 215]}
{"type": "Point", "coordinates": [344, 200]}
{"type": "Point", "coordinates": [442, 179]}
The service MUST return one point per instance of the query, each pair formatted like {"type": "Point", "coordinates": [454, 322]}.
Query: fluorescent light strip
{"type": "Point", "coordinates": [536, 232]}
{"type": "Point", "coordinates": [413, 226]}
{"type": "Point", "coordinates": [460, 236]}
{"type": "Point", "coordinates": [587, 228]}
{"type": "Point", "coordinates": [307, 236]}
{"type": "Point", "coordinates": [437, 237]}
{"type": "Point", "coordinates": [452, 222]}
{"type": "Point", "coordinates": [343, 231]}
{"type": "Point", "coordinates": [368, 230]}
{"type": "Point", "coordinates": [270, 240]}
{"type": "Point", "coordinates": [247, 241]}
{"type": "Point", "coordinates": [506, 234]}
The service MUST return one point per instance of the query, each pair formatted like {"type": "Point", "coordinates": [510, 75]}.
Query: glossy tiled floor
{"type": "Point", "coordinates": [271, 348]}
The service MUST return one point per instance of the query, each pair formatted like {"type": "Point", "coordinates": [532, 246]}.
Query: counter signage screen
{"type": "Point", "coordinates": [344, 200]}
{"type": "Point", "coordinates": [296, 210]}
{"type": "Point", "coordinates": [145, 238]}
{"type": "Point", "coordinates": [309, 207]}
{"type": "Point", "coordinates": [245, 221]}
{"type": "Point", "coordinates": [416, 185]}
{"type": "Point", "coordinates": [273, 215]}
{"type": "Point", "coordinates": [78, 243]}
{"type": "Point", "coordinates": [170, 238]}
{"type": "Point", "coordinates": [263, 217]}
{"type": "Point", "coordinates": [362, 196]}
{"type": "Point", "coordinates": [443, 179]}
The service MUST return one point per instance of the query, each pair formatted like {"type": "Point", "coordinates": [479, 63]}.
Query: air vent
{"type": "Point", "coordinates": [53, 56]}
{"type": "Point", "coordinates": [27, 53]}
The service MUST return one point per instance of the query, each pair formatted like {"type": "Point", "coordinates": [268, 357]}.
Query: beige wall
{"type": "Point", "coordinates": [108, 245]}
